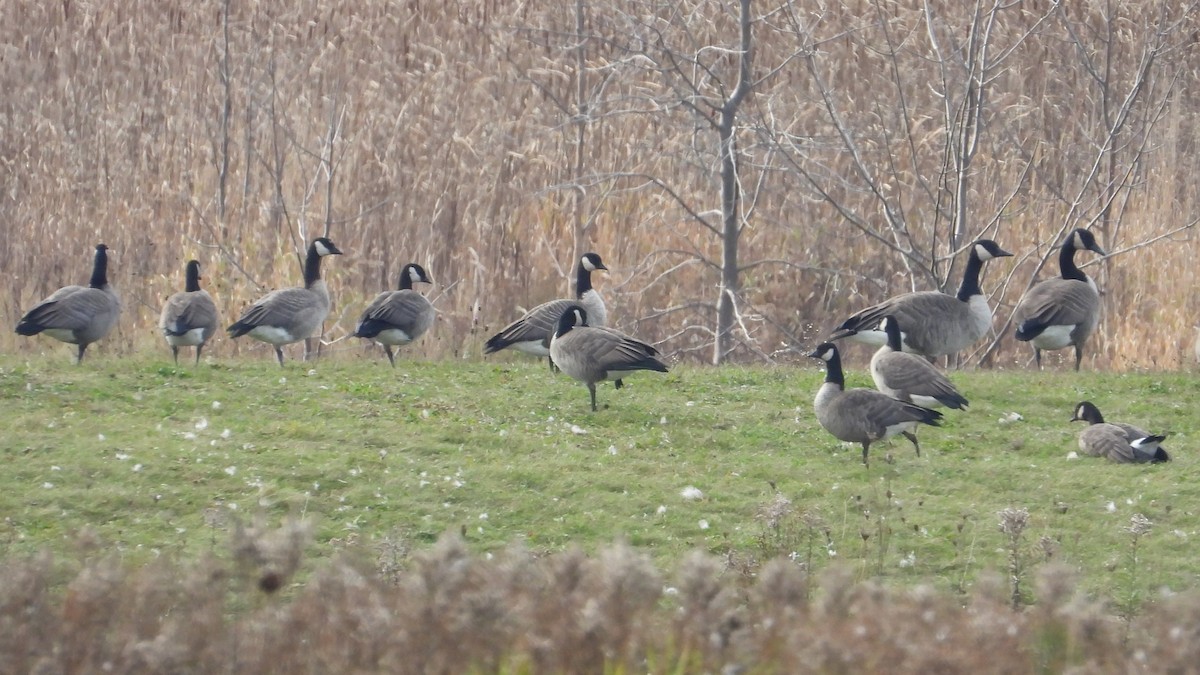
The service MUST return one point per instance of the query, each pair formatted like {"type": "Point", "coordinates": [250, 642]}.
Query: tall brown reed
{"type": "Point", "coordinates": [441, 133]}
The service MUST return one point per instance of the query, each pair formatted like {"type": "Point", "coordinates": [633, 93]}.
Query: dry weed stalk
{"type": "Point", "coordinates": [449, 610]}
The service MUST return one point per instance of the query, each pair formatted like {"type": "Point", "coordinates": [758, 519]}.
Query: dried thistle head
{"type": "Point", "coordinates": [1139, 525]}
{"type": "Point", "coordinates": [773, 512]}
{"type": "Point", "coordinates": [1013, 521]}
{"type": "Point", "coordinates": [271, 554]}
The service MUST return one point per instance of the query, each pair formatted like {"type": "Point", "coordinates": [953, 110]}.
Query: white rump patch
{"type": "Point", "coordinates": [393, 336]}
{"type": "Point", "coordinates": [274, 335]}
{"type": "Point", "coordinates": [1054, 337]}
{"type": "Point", "coordinates": [191, 338]}
{"type": "Point", "coordinates": [532, 347]}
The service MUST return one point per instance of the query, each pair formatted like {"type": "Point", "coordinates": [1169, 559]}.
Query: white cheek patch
{"type": "Point", "coordinates": [982, 253]}
{"type": "Point", "coordinates": [414, 275]}
{"type": "Point", "coordinates": [321, 248]}
{"type": "Point", "coordinates": [587, 264]}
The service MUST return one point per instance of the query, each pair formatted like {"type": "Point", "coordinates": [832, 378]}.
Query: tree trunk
{"type": "Point", "coordinates": [731, 229]}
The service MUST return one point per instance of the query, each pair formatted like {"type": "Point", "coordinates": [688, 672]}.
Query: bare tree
{"type": "Point", "coordinates": [711, 82]}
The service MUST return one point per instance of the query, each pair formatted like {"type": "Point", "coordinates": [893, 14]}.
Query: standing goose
{"type": "Point", "coordinates": [1121, 443]}
{"type": "Point", "coordinates": [908, 377]}
{"type": "Point", "coordinates": [861, 415]}
{"type": "Point", "coordinates": [593, 354]}
{"type": "Point", "coordinates": [79, 315]}
{"type": "Point", "coordinates": [1063, 311]}
{"type": "Point", "coordinates": [935, 323]}
{"type": "Point", "coordinates": [531, 333]}
{"type": "Point", "coordinates": [290, 314]}
{"type": "Point", "coordinates": [190, 316]}
{"type": "Point", "coordinates": [397, 318]}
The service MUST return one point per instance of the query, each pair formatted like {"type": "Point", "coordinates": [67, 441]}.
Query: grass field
{"type": "Point", "coordinates": [156, 458]}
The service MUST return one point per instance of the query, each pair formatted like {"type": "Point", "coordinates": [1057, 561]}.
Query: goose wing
{"type": "Point", "coordinates": [187, 311]}
{"type": "Point", "coordinates": [537, 324]}
{"type": "Point", "coordinates": [283, 307]}
{"type": "Point", "coordinates": [911, 309]}
{"type": "Point", "coordinates": [1057, 302]}
{"type": "Point", "coordinates": [1105, 440]}
{"type": "Point", "coordinates": [874, 413]}
{"type": "Point", "coordinates": [914, 376]}
{"type": "Point", "coordinates": [402, 309]}
{"type": "Point", "coordinates": [74, 308]}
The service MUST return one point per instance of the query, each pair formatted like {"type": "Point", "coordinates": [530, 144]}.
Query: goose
{"type": "Point", "coordinates": [397, 318]}
{"type": "Point", "coordinates": [593, 354]}
{"type": "Point", "coordinates": [289, 315]}
{"type": "Point", "coordinates": [1121, 443]}
{"type": "Point", "coordinates": [78, 315]}
{"type": "Point", "coordinates": [189, 317]}
{"type": "Point", "coordinates": [935, 323]}
{"type": "Point", "coordinates": [862, 415]}
{"type": "Point", "coordinates": [1064, 311]}
{"type": "Point", "coordinates": [531, 333]}
{"type": "Point", "coordinates": [908, 377]}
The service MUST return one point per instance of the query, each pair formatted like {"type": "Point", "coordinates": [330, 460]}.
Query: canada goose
{"type": "Point", "coordinates": [396, 318]}
{"type": "Point", "coordinates": [593, 354]}
{"type": "Point", "coordinates": [79, 315]}
{"type": "Point", "coordinates": [935, 323]}
{"type": "Point", "coordinates": [290, 314]}
{"type": "Point", "coordinates": [861, 415]}
{"type": "Point", "coordinates": [189, 317]}
{"type": "Point", "coordinates": [531, 333]}
{"type": "Point", "coordinates": [1122, 443]}
{"type": "Point", "coordinates": [1062, 311]}
{"type": "Point", "coordinates": [908, 377]}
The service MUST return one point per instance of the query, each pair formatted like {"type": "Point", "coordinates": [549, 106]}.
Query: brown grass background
{"type": "Point", "coordinates": [435, 132]}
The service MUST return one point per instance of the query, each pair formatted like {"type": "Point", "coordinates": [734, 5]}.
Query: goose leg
{"type": "Point", "coordinates": [617, 384]}
{"type": "Point", "coordinates": [388, 350]}
{"type": "Point", "coordinates": [79, 354]}
{"type": "Point", "coordinates": [279, 355]}
{"type": "Point", "coordinates": [198, 348]}
{"type": "Point", "coordinates": [175, 354]}
{"type": "Point", "coordinates": [1037, 357]}
{"type": "Point", "coordinates": [592, 391]}
{"type": "Point", "coordinates": [913, 437]}
{"type": "Point", "coordinates": [1078, 357]}
{"type": "Point", "coordinates": [866, 447]}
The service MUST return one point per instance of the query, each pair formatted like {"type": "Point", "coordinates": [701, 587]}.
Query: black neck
{"type": "Point", "coordinates": [893, 335]}
{"type": "Point", "coordinates": [406, 278]}
{"type": "Point", "coordinates": [312, 266]}
{"type": "Point", "coordinates": [1066, 261]}
{"type": "Point", "coordinates": [565, 323]}
{"type": "Point", "coordinates": [193, 278]}
{"type": "Point", "coordinates": [970, 282]}
{"type": "Point", "coordinates": [100, 269]}
{"type": "Point", "coordinates": [833, 371]}
{"type": "Point", "coordinates": [583, 280]}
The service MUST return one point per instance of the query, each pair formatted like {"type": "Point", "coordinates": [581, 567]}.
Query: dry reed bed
{"type": "Point", "coordinates": [442, 133]}
{"type": "Point", "coordinates": [447, 611]}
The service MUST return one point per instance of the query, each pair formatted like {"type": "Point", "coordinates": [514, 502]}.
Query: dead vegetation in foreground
{"type": "Point", "coordinates": [445, 610]}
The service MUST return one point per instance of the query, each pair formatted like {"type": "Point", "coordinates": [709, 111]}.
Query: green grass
{"type": "Point", "coordinates": [155, 458]}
